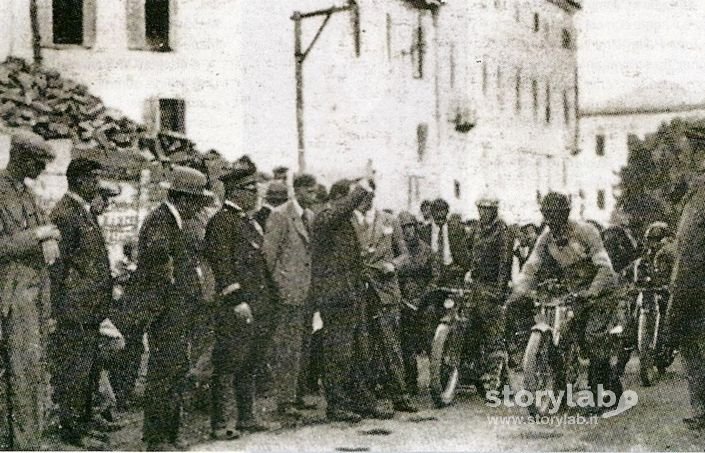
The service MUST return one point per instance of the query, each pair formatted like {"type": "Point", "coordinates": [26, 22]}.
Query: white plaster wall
{"type": "Point", "coordinates": [591, 172]}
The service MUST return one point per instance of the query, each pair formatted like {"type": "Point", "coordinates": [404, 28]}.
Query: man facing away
{"type": "Point", "coordinates": [287, 249]}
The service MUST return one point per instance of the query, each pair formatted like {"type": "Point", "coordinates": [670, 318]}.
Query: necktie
{"type": "Point", "coordinates": [304, 219]}
{"type": "Point", "coordinates": [440, 240]}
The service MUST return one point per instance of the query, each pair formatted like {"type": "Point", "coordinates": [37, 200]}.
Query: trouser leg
{"type": "Point", "coordinates": [288, 344]}
{"type": "Point", "coordinates": [385, 337]}
{"type": "Point", "coordinates": [694, 363]}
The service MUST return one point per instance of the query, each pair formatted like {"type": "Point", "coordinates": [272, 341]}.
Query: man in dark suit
{"type": "Point", "coordinates": [81, 285]}
{"type": "Point", "coordinates": [383, 248]}
{"type": "Point", "coordinates": [276, 195]}
{"type": "Point", "coordinates": [338, 289]}
{"type": "Point", "coordinates": [247, 299]}
{"type": "Point", "coordinates": [287, 250]}
{"type": "Point", "coordinates": [448, 240]}
{"type": "Point", "coordinates": [685, 321]}
{"type": "Point", "coordinates": [167, 280]}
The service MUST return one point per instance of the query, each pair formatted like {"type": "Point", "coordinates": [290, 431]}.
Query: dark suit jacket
{"type": "Point", "coordinates": [382, 243]}
{"type": "Point", "coordinates": [81, 282]}
{"type": "Point", "coordinates": [262, 216]}
{"type": "Point", "coordinates": [233, 247]}
{"type": "Point", "coordinates": [686, 314]}
{"type": "Point", "coordinates": [337, 266]}
{"type": "Point", "coordinates": [165, 286]}
{"type": "Point", "coordinates": [459, 246]}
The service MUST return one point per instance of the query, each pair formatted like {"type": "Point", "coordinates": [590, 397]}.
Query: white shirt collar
{"type": "Point", "coordinates": [175, 213]}
{"type": "Point", "coordinates": [297, 207]}
{"type": "Point", "coordinates": [232, 205]}
{"type": "Point", "coordinates": [80, 200]}
{"type": "Point", "coordinates": [368, 216]}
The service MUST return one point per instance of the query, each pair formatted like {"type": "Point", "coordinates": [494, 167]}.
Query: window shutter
{"type": "Point", "coordinates": [151, 115]}
{"type": "Point", "coordinates": [135, 25]}
{"type": "Point", "coordinates": [46, 33]}
{"type": "Point", "coordinates": [89, 18]}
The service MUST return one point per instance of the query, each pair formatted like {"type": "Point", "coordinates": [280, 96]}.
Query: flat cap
{"type": "Point", "coordinates": [189, 181]}
{"type": "Point", "coordinates": [241, 173]}
{"type": "Point", "coordinates": [28, 144]}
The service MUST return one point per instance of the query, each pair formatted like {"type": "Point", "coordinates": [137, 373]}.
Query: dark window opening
{"type": "Point", "coordinates": [456, 186]}
{"type": "Point", "coordinates": [421, 140]}
{"type": "Point", "coordinates": [601, 199]}
{"type": "Point", "coordinates": [67, 21]}
{"type": "Point", "coordinates": [417, 52]}
{"type": "Point", "coordinates": [156, 27]}
{"type": "Point", "coordinates": [566, 39]}
{"type": "Point", "coordinates": [535, 95]}
{"type": "Point", "coordinates": [566, 108]}
{"type": "Point", "coordinates": [548, 103]}
{"type": "Point", "coordinates": [600, 145]}
{"type": "Point", "coordinates": [484, 77]}
{"type": "Point", "coordinates": [537, 24]}
{"type": "Point", "coordinates": [172, 115]}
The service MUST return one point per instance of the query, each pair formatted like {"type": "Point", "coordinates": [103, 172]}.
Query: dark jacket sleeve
{"type": "Point", "coordinates": [154, 254]}
{"type": "Point", "coordinates": [218, 251]}
{"type": "Point", "coordinates": [340, 210]}
{"type": "Point", "coordinates": [689, 268]}
{"type": "Point", "coordinates": [505, 259]}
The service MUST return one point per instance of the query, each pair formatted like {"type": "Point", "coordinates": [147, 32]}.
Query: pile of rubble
{"type": "Point", "coordinates": [53, 107]}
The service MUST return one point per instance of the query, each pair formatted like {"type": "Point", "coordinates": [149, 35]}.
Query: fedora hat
{"type": "Point", "coordinates": [189, 181]}
{"type": "Point", "coordinates": [241, 173]}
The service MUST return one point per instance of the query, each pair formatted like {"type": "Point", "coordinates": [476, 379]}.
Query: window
{"type": "Point", "coordinates": [156, 24]}
{"type": "Point", "coordinates": [484, 77]}
{"type": "Point", "coordinates": [421, 140]}
{"type": "Point", "coordinates": [548, 102]}
{"type": "Point", "coordinates": [535, 95]}
{"type": "Point", "coordinates": [601, 199]}
{"type": "Point", "coordinates": [172, 115]}
{"type": "Point", "coordinates": [456, 188]}
{"type": "Point", "coordinates": [417, 51]}
{"type": "Point", "coordinates": [148, 24]}
{"type": "Point", "coordinates": [566, 40]}
{"type": "Point", "coordinates": [566, 108]}
{"type": "Point", "coordinates": [517, 89]}
{"type": "Point", "coordinates": [600, 145]}
{"type": "Point", "coordinates": [67, 21]}
{"type": "Point", "coordinates": [537, 23]}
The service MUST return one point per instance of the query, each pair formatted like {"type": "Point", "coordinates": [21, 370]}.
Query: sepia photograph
{"type": "Point", "coordinates": [352, 225]}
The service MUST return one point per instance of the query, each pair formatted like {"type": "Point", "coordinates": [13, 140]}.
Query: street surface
{"type": "Point", "coordinates": [654, 424]}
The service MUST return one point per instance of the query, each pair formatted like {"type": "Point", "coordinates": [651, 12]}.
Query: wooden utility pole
{"type": "Point", "coordinates": [36, 38]}
{"type": "Point", "coordinates": [300, 56]}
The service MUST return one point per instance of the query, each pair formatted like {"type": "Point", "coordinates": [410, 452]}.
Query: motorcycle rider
{"type": "Point", "coordinates": [577, 249]}
{"type": "Point", "coordinates": [490, 271]}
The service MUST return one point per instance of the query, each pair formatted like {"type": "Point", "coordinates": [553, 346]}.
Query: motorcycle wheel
{"type": "Point", "coordinates": [444, 366]}
{"type": "Point", "coordinates": [648, 323]}
{"type": "Point", "coordinates": [539, 373]}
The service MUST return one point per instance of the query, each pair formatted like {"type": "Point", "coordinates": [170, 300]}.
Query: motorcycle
{"type": "Point", "coordinates": [643, 334]}
{"type": "Point", "coordinates": [553, 359]}
{"type": "Point", "coordinates": [456, 357]}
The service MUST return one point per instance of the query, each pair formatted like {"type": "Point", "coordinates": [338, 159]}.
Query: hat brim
{"type": "Point", "coordinates": [196, 194]}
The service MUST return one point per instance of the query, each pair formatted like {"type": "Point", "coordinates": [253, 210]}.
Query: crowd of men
{"type": "Point", "coordinates": [306, 261]}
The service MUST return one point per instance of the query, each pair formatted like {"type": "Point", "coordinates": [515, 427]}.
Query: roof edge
{"type": "Point", "coordinates": [681, 108]}
{"type": "Point", "coordinates": [568, 5]}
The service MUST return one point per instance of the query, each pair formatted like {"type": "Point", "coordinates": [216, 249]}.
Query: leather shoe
{"type": "Point", "coordinates": [404, 404]}
{"type": "Point", "coordinates": [253, 426]}
{"type": "Point", "coordinates": [100, 423]}
{"type": "Point", "coordinates": [225, 434]}
{"type": "Point", "coordinates": [695, 423]}
{"type": "Point", "coordinates": [339, 415]}
{"type": "Point", "coordinates": [289, 411]}
{"type": "Point", "coordinates": [304, 406]}
{"type": "Point", "coordinates": [161, 446]}
{"type": "Point", "coordinates": [84, 441]}
{"type": "Point", "coordinates": [379, 413]}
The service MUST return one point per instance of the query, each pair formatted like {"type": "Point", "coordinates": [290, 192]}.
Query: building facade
{"type": "Point", "coordinates": [604, 135]}
{"type": "Point", "coordinates": [432, 96]}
